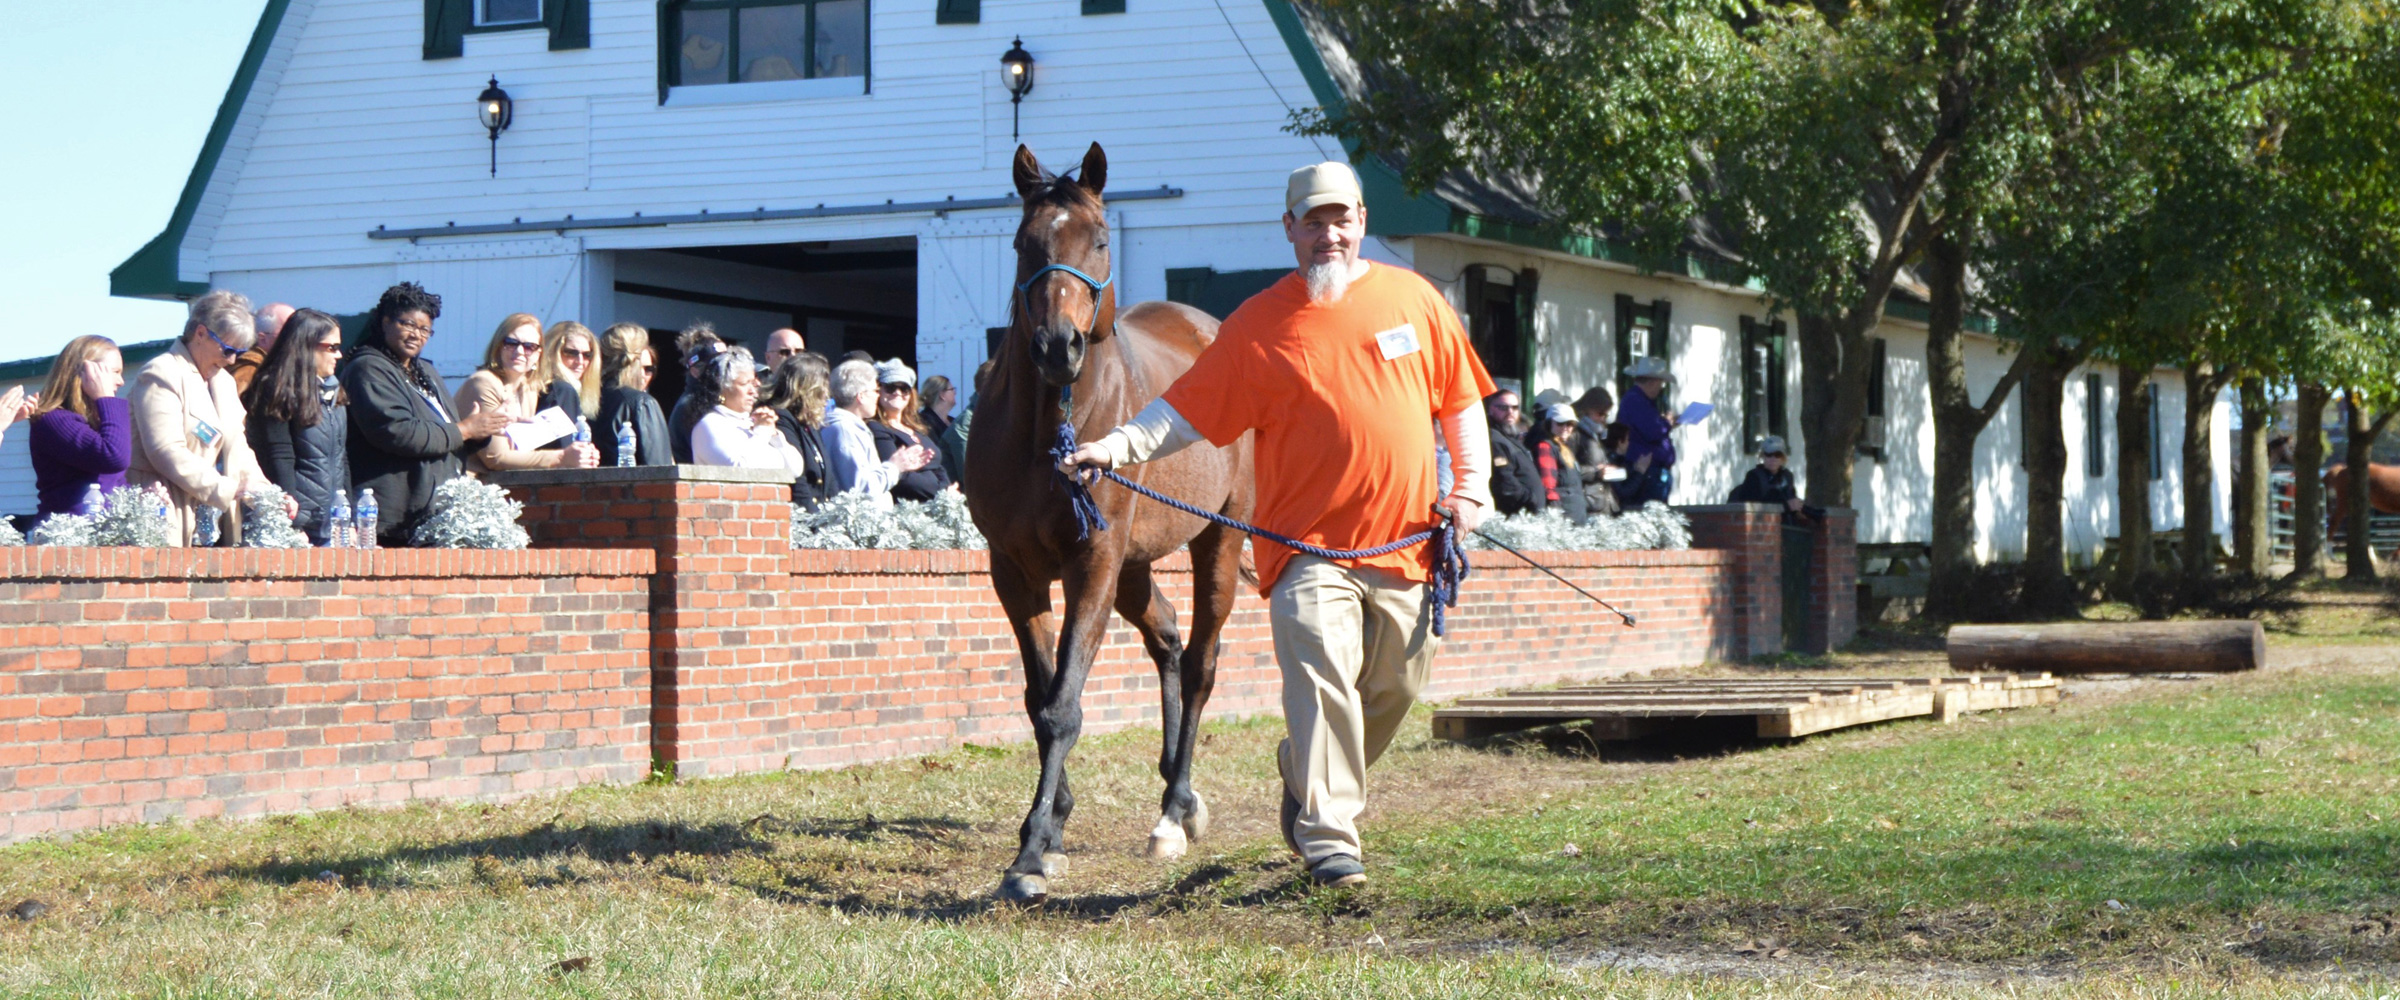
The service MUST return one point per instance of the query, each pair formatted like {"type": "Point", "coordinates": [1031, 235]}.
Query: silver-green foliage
{"type": "Point", "coordinates": [9, 535]}
{"type": "Point", "coordinates": [127, 516]}
{"type": "Point", "coordinates": [471, 514]}
{"type": "Point", "coordinates": [856, 521]}
{"type": "Point", "coordinates": [264, 523]}
{"type": "Point", "coordinates": [1654, 526]}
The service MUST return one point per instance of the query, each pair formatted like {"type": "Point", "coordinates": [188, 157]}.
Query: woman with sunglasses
{"type": "Point", "coordinates": [570, 371]}
{"type": "Point", "coordinates": [299, 418]}
{"type": "Point", "coordinates": [506, 384]}
{"type": "Point", "coordinates": [626, 366]}
{"type": "Point", "coordinates": [188, 419]}
{"type": "Point", "coordinates": [405, 441]}
{"type": "Point", "coordinates": [898, 425]}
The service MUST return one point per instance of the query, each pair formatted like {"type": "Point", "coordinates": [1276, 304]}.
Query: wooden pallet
{"type": "Point", "coordinates": [1783, 707]}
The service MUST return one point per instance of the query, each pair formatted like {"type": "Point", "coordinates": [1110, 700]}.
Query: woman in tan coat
{"type": "Point", "coordinates": [506, 384]}
{"type": "Point", "coordinates": [188, 420]}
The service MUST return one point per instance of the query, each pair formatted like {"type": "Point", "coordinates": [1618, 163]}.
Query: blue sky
{"type": "Point", "coordinates": [106, 105]}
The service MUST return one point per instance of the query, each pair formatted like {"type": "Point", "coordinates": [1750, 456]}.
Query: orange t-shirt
{"type": "Point", "coordinates": [1344, 396]}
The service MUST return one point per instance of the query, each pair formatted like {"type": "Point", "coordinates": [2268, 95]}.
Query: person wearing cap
{"type": "Point", "coordinates": [1516, 485]}
{"type": "Point", "coordinates": [1551, 441]}
{"type": "Point", "coordinates": [1649, 452]}
{"type": "Point", "coordinates": [897, 424]}
{"type": "Point", "coordinates": [1592, 457]}
{"type": "Point", "coordinates": [1343, 370]}
{"type": "Point", "coordinates": [1769, 482]}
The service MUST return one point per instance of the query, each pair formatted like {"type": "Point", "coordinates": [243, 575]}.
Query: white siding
{"type": "Point", "coordinates": [359, 131]}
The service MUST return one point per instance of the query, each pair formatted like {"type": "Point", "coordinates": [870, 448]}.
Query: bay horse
{"type": "Point", "coordinates": [1067, 340]}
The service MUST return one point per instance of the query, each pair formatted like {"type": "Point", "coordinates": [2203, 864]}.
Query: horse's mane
{"type": "Point", "coordinates": [1062, 188]}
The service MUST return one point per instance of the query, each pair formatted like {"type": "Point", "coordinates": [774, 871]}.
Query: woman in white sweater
{"type": "Point", "coordinates": [738, 431]}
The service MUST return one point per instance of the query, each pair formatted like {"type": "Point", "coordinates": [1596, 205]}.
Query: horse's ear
{"type": "Point", "coordinates": [1029, 175]}
{"type": "Point", "coordinates": [1095, 169]}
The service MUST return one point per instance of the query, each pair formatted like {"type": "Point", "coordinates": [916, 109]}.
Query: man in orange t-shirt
{"type": "Point", "coordinates": [1343, 369]}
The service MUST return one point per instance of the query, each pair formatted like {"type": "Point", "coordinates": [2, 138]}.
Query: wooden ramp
{"type": "Point", "coordinates": [1784, 707]}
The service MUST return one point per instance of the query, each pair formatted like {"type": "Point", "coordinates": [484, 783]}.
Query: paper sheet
{"type": "Point", "coordinates": [1695, 413]}
{"type": "Point", "coordinates": [545, 427]}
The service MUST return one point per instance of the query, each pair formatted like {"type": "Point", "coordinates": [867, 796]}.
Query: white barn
{"type": "Point", "coordinates": [842, 166]}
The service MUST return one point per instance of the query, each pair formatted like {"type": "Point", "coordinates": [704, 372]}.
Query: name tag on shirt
{"type": "Point", "coordinates": [1397, 342]}
{"type": "Point", "coordinates": [206, 434]}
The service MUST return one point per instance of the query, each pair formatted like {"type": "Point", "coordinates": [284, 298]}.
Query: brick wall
{"type": "Point", "coordinates": [152, 684]}
{"type": "Point", "coordinates": [901, 653]}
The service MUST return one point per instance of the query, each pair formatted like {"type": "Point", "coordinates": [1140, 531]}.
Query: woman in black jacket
{"type": "Point", "coordinates": [897, 425]}
{"type": "Point", "coordinates": [797, 391]}
{"type": "Point", "coordinates": [626, 365]}
{"type": "Point", "coordinates": [404, 439]}
{"type": "Point", "coordinates": [299, 419]}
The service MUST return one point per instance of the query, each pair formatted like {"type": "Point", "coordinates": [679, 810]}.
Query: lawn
{"type": "Point", "coordinates": [2221, 836]}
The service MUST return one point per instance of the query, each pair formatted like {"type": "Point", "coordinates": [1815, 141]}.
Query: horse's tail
{"type": "Point", "coordinates": [1249, 569]}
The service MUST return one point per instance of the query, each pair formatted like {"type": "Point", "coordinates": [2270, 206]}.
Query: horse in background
{"type": "Point", "coordinates": [1067, 341]}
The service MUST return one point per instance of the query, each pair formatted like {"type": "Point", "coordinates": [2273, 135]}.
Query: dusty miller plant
{"type": "Point", "coordinates": [856, 521]}
{"type": "Point", "coordinates": [127, 516]}
{"type": "Point", "coordinates": [471, 514]}
{"type": "Point", "coordinates": [264, 523]}
{"type": "Point", "coordinates": [1654, 526]}
{"type": "Point", "coordinates": [9, 535]}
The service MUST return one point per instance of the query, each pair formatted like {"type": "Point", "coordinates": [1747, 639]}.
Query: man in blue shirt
{"type": "Point", "coordinates": [1649, 453]}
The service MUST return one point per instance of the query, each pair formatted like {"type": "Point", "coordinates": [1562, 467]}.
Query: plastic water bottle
{"type": "Point", "coordinates": [337, 522]}
{"type": "Point", "coordinates": [583, 431]}
{"type": "Point", "coordinates": [363, 535]}
{"type": "Point", "coordinates": [625, 444]}
{"type": "Point", "coordinates": [92, 500]}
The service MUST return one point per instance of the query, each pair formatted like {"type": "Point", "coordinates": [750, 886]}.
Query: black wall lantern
{"type": "Point", "coordinates": [495, 111]}
{"type": "Point", "coordinates": [1017, 74]}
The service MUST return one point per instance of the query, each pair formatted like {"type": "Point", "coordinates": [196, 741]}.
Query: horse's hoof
{"type": "Point", "coordinates": [1195, 823]}
{"type": "Point", "coordinates": [1022, 890]}
{"type": "Point", "coordinates": [1167, 840]}
{"type": "Point", "coordinates": [1054, 865]}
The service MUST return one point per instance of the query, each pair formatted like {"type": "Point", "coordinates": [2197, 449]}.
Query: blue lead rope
{"type": "Point", "coordinates": [1449, 558]}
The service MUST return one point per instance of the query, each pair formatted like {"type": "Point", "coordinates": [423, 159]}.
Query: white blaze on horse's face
{"type": "Point", "coordinates": [1059, 221]}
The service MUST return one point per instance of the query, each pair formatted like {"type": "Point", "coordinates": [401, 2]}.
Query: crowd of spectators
{"type": "Point", "coordinates": [247, 397]}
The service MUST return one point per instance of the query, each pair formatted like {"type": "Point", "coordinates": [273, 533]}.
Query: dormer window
{"type": "Point", "coordinates": [764, 41]}
{"type": "Point", "coordinates": [497, 13]}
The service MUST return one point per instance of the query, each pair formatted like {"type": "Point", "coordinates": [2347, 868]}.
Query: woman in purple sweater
{"type": "Point", "coordinates": [82, 433]}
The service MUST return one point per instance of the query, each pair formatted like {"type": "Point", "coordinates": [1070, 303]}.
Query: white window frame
{"type": "Point", "coordinates": [482, 20]}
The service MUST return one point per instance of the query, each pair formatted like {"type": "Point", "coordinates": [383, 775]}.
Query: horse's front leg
{"type": "Point", "coordinates": [1057, 717]}
{"type": "Point", "coordinates": [1182, 816]}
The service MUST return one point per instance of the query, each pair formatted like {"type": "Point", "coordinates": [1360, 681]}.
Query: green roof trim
{"type": "Point", "coordinates": [31, 369]}
{"type": "Point", "coordinates": [154, 271]}
{"type": "Point", "coordinates": [1391, 210]}
{"type": "Point", "coordinates": [1704, 267]}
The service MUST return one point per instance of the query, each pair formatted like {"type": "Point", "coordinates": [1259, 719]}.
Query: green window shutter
{"type": "Point", "coordinates": [570, 23]}
{"type": "Point", "coordinates": [446, 27]}
{"type": "Point", "coordinates": [958, 12]}
{"type": "Point", "coordinates": [1104, 6]}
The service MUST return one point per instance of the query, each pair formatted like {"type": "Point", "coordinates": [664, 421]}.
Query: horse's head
{"type": "Point", "coordinates": [1064, 272]}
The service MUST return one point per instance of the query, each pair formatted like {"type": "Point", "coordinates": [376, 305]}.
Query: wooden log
{"type": "Point", "coordinates": [2111, 647]}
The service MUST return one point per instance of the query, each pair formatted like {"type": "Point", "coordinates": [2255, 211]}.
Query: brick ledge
{"type": "Point", "coordinates": [51, 563]}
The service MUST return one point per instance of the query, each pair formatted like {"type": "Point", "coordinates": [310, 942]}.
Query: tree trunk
{"type": "Point", "coordinates": [2253, 522]}
{"type": "Point", "coordinates": [2133, 476]}
{"type": "Point", "coordinates": [2308, 482]}
{"type": "Point", "coordinates": [2358, 551]}
{"type": "Point", "coordinates": [2201, 383]}
{"type": "Point", "coordinates": [2110, 647]}
{"type": "Point", "coordinates": [1958, 422]}
{"type": "Point", "coordinates": [2047, 592]}
{"type": "Point", "coordinates": [1835, 366]}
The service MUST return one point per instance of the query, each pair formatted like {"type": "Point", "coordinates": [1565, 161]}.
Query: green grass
{"type": "Point", "coordinates": [2247, 826]}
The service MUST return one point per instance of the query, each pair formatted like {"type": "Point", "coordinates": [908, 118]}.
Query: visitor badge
{"type": "Point", "coordinates": [206, 434]}
{"type": "Point", "coordinates": [1397, 342]}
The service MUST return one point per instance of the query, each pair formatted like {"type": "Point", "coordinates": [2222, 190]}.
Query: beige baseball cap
{"type": "Point", "coordinates": [1327, 183]}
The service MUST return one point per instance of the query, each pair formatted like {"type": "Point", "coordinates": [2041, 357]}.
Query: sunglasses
{"type": "Point", "coordinates": [900, 390]}
{"type": "Point", "coordinates": [569, 352]}
{"type": "Point", "coordinates": [649, 369]}
{"type": "Point", "coordinates": [330, 348]}
{"type": "Point", "coordinates": [229, 349]}
{"type": "Point", "coordinates": [426, 329]}
{"type": "Point", "coordinates": [522, 345]}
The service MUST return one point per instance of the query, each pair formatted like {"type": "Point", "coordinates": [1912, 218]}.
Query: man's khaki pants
{"type": "Point", "coordinates": [1356, 646]}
